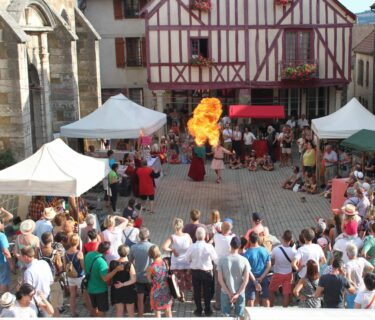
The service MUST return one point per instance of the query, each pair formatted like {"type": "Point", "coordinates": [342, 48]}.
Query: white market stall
{"type": "Point", "coordinates": [343, 123]}
{"type": "Point", "coordinates": [55, 169]}
{"type": "Point", "coordinates": [117, 118]}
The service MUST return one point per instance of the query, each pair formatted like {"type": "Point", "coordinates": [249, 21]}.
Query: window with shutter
{"type": "Point", "coordinates": [298, 46]}
{"type": "Point", "coordinates": [120, 52]}
{"type": "Point", "coordinates": [117, 8]}
{"type": "Point", "coordinates": [199, 47]}
{"type": "Point", "coordinates": [144, 52]}
{"type": "Point", "coordinates": [134, 52]}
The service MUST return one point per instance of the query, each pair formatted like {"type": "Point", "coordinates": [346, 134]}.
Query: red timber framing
{"type": "Point", "coordinates": [246, 40]}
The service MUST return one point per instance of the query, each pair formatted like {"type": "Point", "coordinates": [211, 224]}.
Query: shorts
{"type": "Point", "coordinates": [56, 296]}
{"type": "Point", "coordinates": [239, 305]}
{"type": "Point", "coordinates": [99, 301]}
{"type": "Point", "coordinates": [309, 169]}
{"type": "Point", "coordinates": [286, 150]}
{"type": "Point", "coordinates": [250, 291]}
{"type": "Point", "coordinates": [75, 282]}
{"type": "Point", "coordinates": [5, 278]}
{"type": "Point", "coordinates": [142, 288]}
{"type": "Point", "coordinates": [281, 280]}
{"type": "Point", "coordinates": [151, 198]}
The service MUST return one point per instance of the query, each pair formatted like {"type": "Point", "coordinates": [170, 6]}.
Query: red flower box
{"type": "Point", "coordinates": [282, 2]}
{"type": "Point", "coordinates": [202, 5]}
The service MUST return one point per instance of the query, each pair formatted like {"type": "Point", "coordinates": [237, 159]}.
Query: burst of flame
{"type": "Point", "coordinates": [203, 125]}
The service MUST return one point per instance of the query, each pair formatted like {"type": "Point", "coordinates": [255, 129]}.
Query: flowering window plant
{"type": "Point", "coordinates": [302, 72]}
{"type": "Point", "coordinates": [201, 61]}
{"type": "Point", "coordinates": [203, 5]}
{"type": "Point", "coordinates": [282, 2]}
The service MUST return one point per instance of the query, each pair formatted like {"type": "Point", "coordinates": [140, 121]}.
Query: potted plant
{"type": "Point", "coordinates": [202, 5]}
{"type": "Point", "coordinates": [302, 72]}
{"type": "Point", "coordinates": [201, 61]}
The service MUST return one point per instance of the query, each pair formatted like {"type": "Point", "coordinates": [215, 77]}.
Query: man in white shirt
{"type": "Point", "coordinates": [38, 273]}
{"type": "Point", "coordinates": [309, 251]}
{"type": "Point", "coordinates": [227, 139]}
{"type": "Point", "coordinates": [355, 269]}
{"type": "Point", "coordinates": [291, 122]}
{"type": "Point", "coordinates": [201, 255]}
{"type": "Point", "coordinates": [248, 139]}
{"type": "Point", "coordinates": [44, 224]}
{"type": "Point", "coordinates": [281, 259]}
{"type": "Point", "coordinates": [343, 241]}
{"type": "Point", "coordinates": [302, 122]}
{"type": "Point", "coordinates": [222, 247]}
{"type": "Point", "coordinates": [330, 160]}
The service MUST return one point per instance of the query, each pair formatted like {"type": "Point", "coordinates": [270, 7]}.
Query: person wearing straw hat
{"type": "Point", "coordinates": [7, 301]}
{"type": "Point", "coordinates": [26, 239]}
{"type": "Point", "coordinates": [5, 260]}
{"type": "Point", "coordinates": [44, 224]}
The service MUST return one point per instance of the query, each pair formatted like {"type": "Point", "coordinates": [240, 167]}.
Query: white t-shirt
{"type": "Point", "coordinates": [303, 123]}
{"type": "Point", "coordinates": [308, 252]}
{"type": "Point", "coordinates": [25, 312]}
{"type": "Point", "coordinates": [282, 265]}
{"type": "Point", "coordinates": [227, 135]}
{"type": "Point", "coordinates": [332, 156]}
{"type": "Point", "coordinates": [248, 138]}
{"type": "Point", "coordinates": [355, 269]}
{"type": "Point", "coordinates": [115, 238]}
{"type": "Point", "coordinates": [364, 298]}
{"type": "Point", "coordinates": [38, 273]}
{"type": "Point", "coordinates": [222, 244]}
{"type": "Point", "coordinates": [291, 123]}
{"type": "Point", "coordinates": [341, 243]}
{"type": "Point", "coordinates": [131, 233]}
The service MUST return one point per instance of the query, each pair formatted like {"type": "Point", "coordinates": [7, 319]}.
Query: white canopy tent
{"type": "Point", "coordinates": [343, 123]}
{"type": "Point", "coordinates": [117, 118]}
{"type": "Point", "coordinates": [55, 169]}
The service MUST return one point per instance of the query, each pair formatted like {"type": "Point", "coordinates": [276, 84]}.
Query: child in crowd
{"type": "Point", "coordinates": [310, 185]}
{"type": "Point", "coordinates": [185, 153]}
{"type": "Point", "coordinates": [252, 162]}
{"type": "Point", "coordinates": [295, 178]}
{"type": "Point", "coordinates": [268, 164]}
{"type": "Point", "coordinates": [234, 162]}
{"type": "Point", "coordinates": [174, 158]}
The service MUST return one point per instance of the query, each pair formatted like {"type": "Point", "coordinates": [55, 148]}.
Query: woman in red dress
{"type": "Point", "coordinates": [146, 184]}
{"type": "Point", "coordinates": [197, 170]}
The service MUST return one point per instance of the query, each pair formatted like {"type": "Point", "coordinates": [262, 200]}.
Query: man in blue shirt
{"type": "Point", "coordinates": [5, 261]}
{"type": "Point", "coordinates": [260, 262]}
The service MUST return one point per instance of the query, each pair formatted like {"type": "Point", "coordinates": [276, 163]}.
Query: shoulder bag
{"type": "Point", "coordinates": [172, 282]}
{"type": "Point", "coordinates": [86, 278]}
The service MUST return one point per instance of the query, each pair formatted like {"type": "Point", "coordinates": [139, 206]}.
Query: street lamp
{"type": "Point", "coordinates": [372, 7]}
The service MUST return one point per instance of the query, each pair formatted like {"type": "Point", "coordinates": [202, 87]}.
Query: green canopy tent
{"type": "Point", "coordinates": [363, 140]}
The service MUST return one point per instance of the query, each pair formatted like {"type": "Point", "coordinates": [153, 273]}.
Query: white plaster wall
{"type": "Point", "coordinates": [101, 15]}
{"type": "Point", "coordinates": [365, 92]}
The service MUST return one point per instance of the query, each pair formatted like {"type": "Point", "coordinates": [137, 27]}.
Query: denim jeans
{"type": "Point", "coordinates": [239, 305]}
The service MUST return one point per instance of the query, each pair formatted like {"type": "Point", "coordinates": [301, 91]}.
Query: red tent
{"type": "Point", "coordinates": [258, 112]}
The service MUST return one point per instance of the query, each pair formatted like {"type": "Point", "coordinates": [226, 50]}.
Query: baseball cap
{"type": "Point", "coordinates": [229, 220]}
{"type": "Point", "coordinates": [235, 243]}
{"type": "Point", "coordinates": [257, 217]}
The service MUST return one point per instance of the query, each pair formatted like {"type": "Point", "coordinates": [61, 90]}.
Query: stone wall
{"type": "Point", "coordinates": [14, 105]}
{"type": "Point", "coordinates": [88, 65]}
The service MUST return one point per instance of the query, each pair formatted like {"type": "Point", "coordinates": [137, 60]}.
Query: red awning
{"type": "Point", "coordinates": [258, 112]}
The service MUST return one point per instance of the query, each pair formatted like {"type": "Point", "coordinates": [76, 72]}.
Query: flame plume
{"type": "Point", "coordinates": [203, 125]}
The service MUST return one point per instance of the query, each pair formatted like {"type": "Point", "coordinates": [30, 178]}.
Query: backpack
{"type": "Point", "coordinates": [50, 260]}
{"type": "Point", "coordinates": [70, 270]}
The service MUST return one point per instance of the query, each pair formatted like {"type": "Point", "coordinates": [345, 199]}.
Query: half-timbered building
{"type": "Point", "coordinates": [296, 53]}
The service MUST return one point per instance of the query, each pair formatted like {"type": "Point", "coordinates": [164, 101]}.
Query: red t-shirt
{"type": "Point", "coordinates": [91, 246]}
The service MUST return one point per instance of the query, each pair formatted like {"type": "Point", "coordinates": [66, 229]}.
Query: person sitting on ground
{"type": "Point", "coordinates": [252, 162]}
{"type": "Point", "coordinates": [234, 162]}
{"type": "Point", "coordinates": [261, 160]}
{"type": "Point", "coordinates": [294, 179]}
{"type": "Point", "coordinates": [268, 164]}
{"type": "Point", "coordinates": [174, 158]}
{"type": "Point", "coordinates": [309, 185]}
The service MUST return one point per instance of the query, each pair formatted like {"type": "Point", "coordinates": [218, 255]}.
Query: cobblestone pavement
{"type": "Point", "coordinates": [240, 193]}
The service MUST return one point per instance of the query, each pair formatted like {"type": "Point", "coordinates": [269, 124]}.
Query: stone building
{"type": "Point", "coordinates": [49, 71]}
